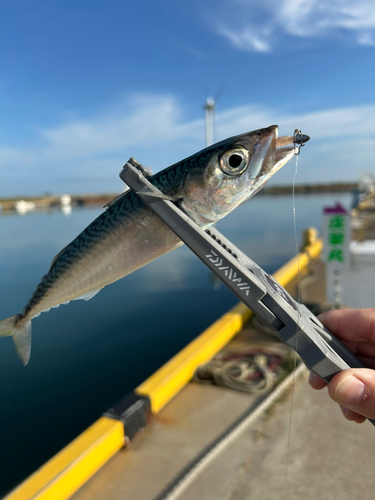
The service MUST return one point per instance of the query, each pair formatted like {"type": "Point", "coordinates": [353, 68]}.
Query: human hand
{"type": "Point", "coordinates": [353, 389]}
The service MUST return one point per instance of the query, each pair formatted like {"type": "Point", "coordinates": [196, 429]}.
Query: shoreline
{"type": "Point", "coordinates": [50, 201]}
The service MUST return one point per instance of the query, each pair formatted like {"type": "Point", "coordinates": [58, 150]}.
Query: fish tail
{"type": "Point", "coordinates": [21, 332]}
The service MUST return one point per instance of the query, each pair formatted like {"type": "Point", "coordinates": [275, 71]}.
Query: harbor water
{"type": "Point", "coordinates": [87, 355]}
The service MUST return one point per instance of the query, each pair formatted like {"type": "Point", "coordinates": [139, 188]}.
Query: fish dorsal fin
{"type": "Point", "coordinates": [22, 342]}
{"type": "Point", "coordinates": [89, 295]}
{"type": "Point", "coordinates": [57, 256]}
{"type": "Point", "coordinates": [115, 200]}
{"type": "Point", "coordinates": [145, 171]}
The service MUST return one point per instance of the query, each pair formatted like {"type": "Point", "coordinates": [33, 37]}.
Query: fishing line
{"type": "Point", "coordinates": [296, 152]}
{"type": "Point", "coordinates": [295, 232]}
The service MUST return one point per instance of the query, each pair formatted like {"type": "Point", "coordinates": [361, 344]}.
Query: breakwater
{"type": "Point", "coordinates": [23, 204]}
{"type": "Point", "coordinates": [334, 187]}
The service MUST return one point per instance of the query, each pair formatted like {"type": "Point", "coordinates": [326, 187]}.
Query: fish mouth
{"type": "Point", "coordinates": [263, 151]}
{"type": "Point", "coordinates": [270, 154]}
{"type": "Point", "coordinates": [286, 146]}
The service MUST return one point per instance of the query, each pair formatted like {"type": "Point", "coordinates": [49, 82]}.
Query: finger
{"type": "Point", "coordinates": [316, 382]}
{"type": "Point", "coordinates": [351, 324]}
{"type": "Point", "coordinates": [355, 389]}
{"type": "Point", "coordinates": [368, 361]}
{"type": "Point", "coordinates": [360, 348]}
{"type": "Point", "coordinates": [352, 415]}
{"type": "Point", "coordinates": [363, 350]}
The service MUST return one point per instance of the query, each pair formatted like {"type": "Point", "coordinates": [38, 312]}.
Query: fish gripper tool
{"type": "Point", "coordinates": [296, 325]}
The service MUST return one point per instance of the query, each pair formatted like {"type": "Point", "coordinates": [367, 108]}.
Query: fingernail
{"type": "Point", "coordinates": [312, 376]}
{"type": "Point", "coordinates": [344, 410]}
{"type": "Point", "coordinates": [350, 391]}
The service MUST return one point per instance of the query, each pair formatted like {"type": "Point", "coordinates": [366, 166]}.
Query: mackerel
{"type": "Point", "coordinates": [128, 235]}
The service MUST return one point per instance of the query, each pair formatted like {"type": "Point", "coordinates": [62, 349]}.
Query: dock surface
{"type": "Point", "coordinates": [299, 449]}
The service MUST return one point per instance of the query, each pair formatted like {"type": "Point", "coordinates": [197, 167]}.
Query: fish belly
{"type": "Point", "coordinates": [127, 246]}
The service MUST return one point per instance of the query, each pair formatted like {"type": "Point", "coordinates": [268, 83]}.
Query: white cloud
{"type": "Point", "coordinates": [249, 37]}
{"type": "Point", "coordinates": [366, 38]}
{"type": "Point", "coordinates": [81, 146]}
{"type": "Point", "coordinates": [353, 122]}
{"type": "Point", "coordinates": [146, 120]}
{"type": "Point", "coordinates": [84, 155]}
{"type": "Point", "coordinates": [257, 26]}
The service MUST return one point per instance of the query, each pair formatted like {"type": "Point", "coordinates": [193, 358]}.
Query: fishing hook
{"type": "Point", "coordinates": [299, 140]}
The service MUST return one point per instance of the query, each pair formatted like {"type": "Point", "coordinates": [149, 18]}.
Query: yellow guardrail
{"type": "Point", "coordinates": [176, 373]}
{"type": "Point", "coordinates": [67, 471]}
{"type": "Point", "coordinates": [289, 271]}
{"type": "Point", "coordinates": [166, 382]}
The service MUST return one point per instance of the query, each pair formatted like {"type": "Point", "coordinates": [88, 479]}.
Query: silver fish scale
{"type": "Point", "coordinates": [168, 181]}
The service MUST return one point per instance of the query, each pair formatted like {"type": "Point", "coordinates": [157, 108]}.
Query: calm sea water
{"type": "Point", "coordinates": [88, 355]}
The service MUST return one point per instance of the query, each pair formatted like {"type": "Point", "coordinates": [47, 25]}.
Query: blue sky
{"type": "Point", "coordinates": [84, 85]}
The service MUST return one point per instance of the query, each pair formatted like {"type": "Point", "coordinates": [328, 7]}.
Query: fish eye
{"type": "Point", "coordinates": [234, 161]}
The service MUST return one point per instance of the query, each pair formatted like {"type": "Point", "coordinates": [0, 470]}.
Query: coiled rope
{"type": "Point", "coordinates": [254, 372]}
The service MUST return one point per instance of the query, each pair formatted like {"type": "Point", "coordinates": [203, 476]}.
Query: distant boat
{"type": "Point", "coordinates": [66, 204]}
{"type": "Point", "coordinates": [65, 200]}
{"type": "Point", "coordinates": [23, 206]}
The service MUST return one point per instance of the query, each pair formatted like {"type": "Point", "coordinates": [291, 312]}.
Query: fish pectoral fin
{"type": "Point", "coordinates": [163, 196]}
{"type": "Point", "coordinates": [89, 295]}
{"type": "Point", "coordinates": [22, 342]}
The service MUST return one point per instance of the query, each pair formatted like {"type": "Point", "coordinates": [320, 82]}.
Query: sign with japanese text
{"type": "Point", "coordinates": [336, 236]}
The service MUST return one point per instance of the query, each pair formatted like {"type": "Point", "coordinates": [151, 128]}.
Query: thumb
{"type": "Point", "coordinates": [355, 389]}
